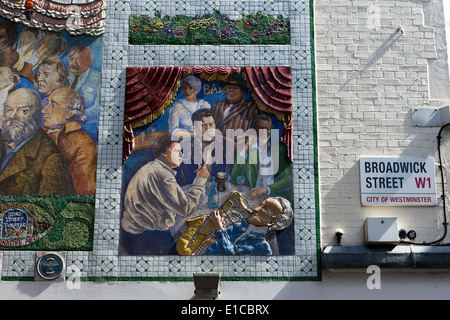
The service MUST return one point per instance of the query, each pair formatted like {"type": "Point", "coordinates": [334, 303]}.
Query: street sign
{"type": "Point", "coordinates": [397, 181]}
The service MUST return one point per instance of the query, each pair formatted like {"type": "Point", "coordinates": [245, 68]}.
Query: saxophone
{"type": "Point", "coordinates": [199, 227]}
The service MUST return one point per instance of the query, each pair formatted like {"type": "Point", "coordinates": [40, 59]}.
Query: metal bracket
{"type": "Point", "coordinates": [207, 285]}
{"type": "Point", "coordinates": [430, 117]}
{"type": "Point", "coordinates": [426, 117]}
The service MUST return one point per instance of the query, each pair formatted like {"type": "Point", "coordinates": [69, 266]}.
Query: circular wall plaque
{"type": "Point", "coordinates": [50, 266]}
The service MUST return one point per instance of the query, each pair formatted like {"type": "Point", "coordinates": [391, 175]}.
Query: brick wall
{"type": "Point", "coordinates": [370, 77]}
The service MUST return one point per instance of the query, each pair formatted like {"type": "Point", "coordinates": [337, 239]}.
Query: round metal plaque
{"type": "Point", "coordinates": [50, 266]}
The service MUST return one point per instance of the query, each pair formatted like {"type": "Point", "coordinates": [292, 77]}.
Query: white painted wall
{"type": "Point", "coordinates": [369, 79]}
{"type": "Point", "coordinates": [446, 4]}
{"type": "Point", "coordinates": [334, 285]}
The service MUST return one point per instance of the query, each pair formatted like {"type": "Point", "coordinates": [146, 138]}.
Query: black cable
{"type": "Point", "coordinates": [439, 137]}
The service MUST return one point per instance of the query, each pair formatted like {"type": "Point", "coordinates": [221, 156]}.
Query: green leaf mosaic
{"type": "Point", "coordinates": [59, 223]}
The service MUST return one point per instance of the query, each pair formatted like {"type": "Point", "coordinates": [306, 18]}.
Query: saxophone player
{"type": "Point", "coordinates": [248, 237]}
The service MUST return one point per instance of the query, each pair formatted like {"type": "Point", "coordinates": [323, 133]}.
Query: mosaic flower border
{"type": "Point", "coordinates": [209, 29]}
{"type": "Point", "coordinates": [103, 263]}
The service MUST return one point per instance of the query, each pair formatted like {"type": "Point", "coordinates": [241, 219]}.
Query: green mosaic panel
{"type": "Point", "coordinates": [52, 223]}
{"type": "Point", "coordinates": [100, 261]}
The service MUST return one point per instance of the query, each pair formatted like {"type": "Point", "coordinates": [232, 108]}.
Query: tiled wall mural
{"type": "Point", "coordinates": [50, 111]}
{"type": "Point", "coordinates": [170, 69]}
{"type": "Point", "coordinates": [206, 114]}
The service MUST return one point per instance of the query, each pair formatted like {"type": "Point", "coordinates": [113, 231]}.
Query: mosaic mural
{"type": "Point", "coordinates": [209, 170]}
{"type": "Point", "coordinates": [97, 247]}
{"type": "Point", "coordinates": [49, 109]}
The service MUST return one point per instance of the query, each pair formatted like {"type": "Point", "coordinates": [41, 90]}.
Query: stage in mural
{"type": "Point", "coordinates": [207, 162]}
{"type": "Point", "coordinates": [49, 108]}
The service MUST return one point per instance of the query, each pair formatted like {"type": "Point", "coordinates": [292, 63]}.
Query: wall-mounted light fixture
{"type": "Point", "coordinates": [207, 285]}
{"type": "Point", "coordinates": [402, 234]}
{"type": "Point", "coordinates": [339, 233]}
{"type": "Point", "coordinates": [411, 234]}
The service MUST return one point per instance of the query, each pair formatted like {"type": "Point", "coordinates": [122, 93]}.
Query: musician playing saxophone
{"type": "Point", "coordinates": [248, 237]}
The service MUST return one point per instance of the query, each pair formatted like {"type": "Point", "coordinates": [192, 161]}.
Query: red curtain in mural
{"type": "Point", "coordinates": [271, 88]}
{"type": "Point", "coordinates": [149, 90]}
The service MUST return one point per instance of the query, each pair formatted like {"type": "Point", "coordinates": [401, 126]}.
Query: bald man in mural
{"type": "Point", "coordinates": [30, 162]}
{"type": "Point", "coordinates": [63, 117]}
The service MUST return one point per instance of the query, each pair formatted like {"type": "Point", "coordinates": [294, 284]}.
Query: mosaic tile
{"type": "Point", "coordinates": [215, 28]}
{"type": "Point", "coordinates": [42, 210]}
{"type": "Point", "coordinates": [103, 262]}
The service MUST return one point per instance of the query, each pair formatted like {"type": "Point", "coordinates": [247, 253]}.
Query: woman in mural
{"type": "Point", "coordinates": [153, 200]}
{"type": "Point", "coordinates": [26, 48]}
{"type": "Point", "coordinates": [180, 123]}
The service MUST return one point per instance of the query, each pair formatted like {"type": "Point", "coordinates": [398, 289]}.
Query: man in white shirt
{"type": "Point", "coordinates": [153, 199]}
{"type": "Point", "coordinates": [263, 163]}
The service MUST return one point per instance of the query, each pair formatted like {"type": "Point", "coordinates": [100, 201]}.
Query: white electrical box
{"type": "Point", "coordinates": [381, 231]}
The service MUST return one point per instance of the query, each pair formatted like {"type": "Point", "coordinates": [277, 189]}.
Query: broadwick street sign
{"type": "Point", "coordinates": [397, 181]}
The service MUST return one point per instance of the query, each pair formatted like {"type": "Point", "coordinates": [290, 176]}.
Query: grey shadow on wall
{"type": "Point", "coordinates": [34, 290]}
{"type": "Point", "coordinates": [374, 57]}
